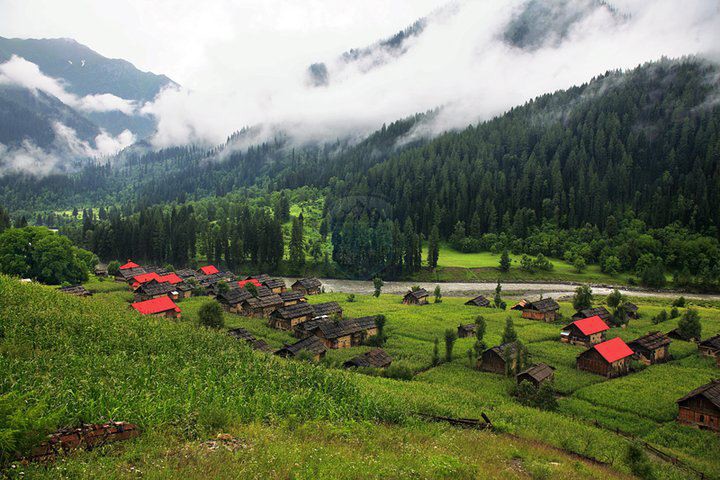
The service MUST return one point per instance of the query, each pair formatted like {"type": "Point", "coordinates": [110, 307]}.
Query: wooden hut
{"type": "Point", "coordinates": [601, 312]}
{"type": "Point", "coordinates": [261, 306]}
{"type": "Point", "coordinates": [101, 270]}
{"type": "Point", "coordinates": [710, 347]}
{"type": "Point", "coordinates": [377, 358]}
{"type": "Point", "coordinates": [654, 347]}
{"type": "Point", "coordinates": [327, 310]}
{"type": "Point", "coordinates": [275, 285]}
{"type": "Point", "coordinates": [307, 286]}
{"type": "Point", "coordinates": [675, 335]}
{"type": "Point", "coordinates": [77, 290]}
{"type": "Point", "coordinates": [347, 333]}
{"type": "Point", "coordinates": [186, 273]}
{"type": "Point", "coordinates": [249, 338]}
{"type": "Point", "coordinates": [701, 407]}
{"type": "Point", "coordinates": [311, 344]}
{"type": "Point", "coordinates": [287, 318]}
{"type": "Point", "coordinates": [520, 305]}
{"type": "Point", "coordinates": [587, 331]}
{"type": "Point", "coordinates": [537, 374]}
{"type": "Point", "coordinates": [545, 310]}
{"type": "Point", "coordinates": [495, 359]}
{"type": "Point", "coordinates": [232, 299]}
{"type": "Point", "coordinates": [610, 358]}
{"type": "Point", "coordinates": [416, 297]}
{"type": "Point", "coordinates": [292, 298]}
{"type": "Point", "coordinates": [155, 289]}
{"type": "Point", "coordinates": [465, 331]}
{"type": "Point", "coordinates": [161, 307]}
{"type": "Point", "coordinates": [479, 301]}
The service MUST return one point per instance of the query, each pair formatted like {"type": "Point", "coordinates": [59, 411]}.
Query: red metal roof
{"type": "Point", "coordinates": [591, 325]}
{"type": "Point", "coordinates": [254, 281]}
{"type": "Point", "coordinates": [146, 277]}
{"type": "Point", "coordinates": [613, 350]}
{"type": "Point", "coordinates": [170, 277]}
{"type": "Point", "coordinates": [209, 270]}
{"type": "Point", "coordinates": [156, 305]}
{"type": "Point", "coordinates": [128, 265]}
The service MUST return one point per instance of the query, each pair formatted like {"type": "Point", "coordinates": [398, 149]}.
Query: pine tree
{"type": "Point", "coordinates": [297, 247]}
{"type": "Point", "coordinates": [505, 261]}
{"type": "Point", "coordinates": [434, 247]}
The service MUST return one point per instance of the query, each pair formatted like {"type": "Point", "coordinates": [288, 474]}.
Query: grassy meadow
{"type": "Point", "coordinates": [483, 267]}
{"type": "Point", "coordinates": [66, 360]}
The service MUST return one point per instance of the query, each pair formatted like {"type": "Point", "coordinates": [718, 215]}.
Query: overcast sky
{"type": "Point", "coordinates": [244, 62]}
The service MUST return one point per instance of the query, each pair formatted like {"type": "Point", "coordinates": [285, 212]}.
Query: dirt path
{"type": "Point", "coordinates": [463, 289]}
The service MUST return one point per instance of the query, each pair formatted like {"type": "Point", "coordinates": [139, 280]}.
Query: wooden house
{"type": "Point", "coordinates": [496, 359]}
{"type": "Point", "coordinates": [545, 310]}
{"type": "Point", "coordinates": [416, 297]}
{"type": "Point", "coordinates": [307, 286]}
{"type": "Point", "coordinates": [161, 307]}
{"type": "Point", "coordinates": [261, 306]}
{"type": "Point", "coordinates": [479, 301]}
{"type": "Point", "coordinates": [587, 331]}
{"type": "Point", "coordinates": [601, 312]}
{"type": "Point", "coordinates": [292, 298]}
{"type": "Point", "coordinates": [261, 279]}
{"type": "Point", "coordinates": [377, 358]}
{"type": "Point", "coordinates": [701, 407]}
{"type": "Point", "coordinates": [305, 328]}
{"type": "Point", "coordinates": [710, 347]}
{"type": "Point", "coordinates": [327, 310]}
{"type": "Point", "coordinates": [610, 358]}
{"type": "Point", "coordinates": [537, 374]}
{"type": "Point", "coordinates": [155, 289]}
{"type": "Point", "coordinates": [128, 274]}
{"type": "Point", "coordinates": [208, 270]}
{"type": "Point", "coordinates": [232, 299]}
{"type": "Point", "coordinates": [275, 285]}
{"type": "Point", "coordinates": [520, 305]}
{"type": "Point", "coordinates": [465, 331]}
{"type": "Point", "coordinates": [347, 333]}
{"type": "Point", "coordinates": [186, 273]}
{"type": "Point", "coordinates": [249, 338]}
{"type": "Point", "coordinates": [77, 290]}
{"type": "Point", "coordinates": [311, 344]}
{"type": "Point", "coordinates": [287, 318]}
{"type": "Point", "coordinates": [651, 348]}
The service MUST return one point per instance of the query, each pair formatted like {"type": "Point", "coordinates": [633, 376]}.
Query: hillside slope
{"type": "Point", "coordinates": [65, 360]}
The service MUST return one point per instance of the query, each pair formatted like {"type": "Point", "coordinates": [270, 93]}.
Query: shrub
{"type": "Point", "coordinates": [674, 312]}
{"type": "Point", "coordinates": [639, 462]}
{"type": "Point", "coordinates": [438, 294]}
{"type": "Point", "coordinates": [399, 372]}
{"type": "Point", "coordinates": [113, 268]}
{"type": "Point", "coordinates": [679, 302]}
{"type": "Point", "coordinates": [210, 315]}
{"type": "Point", "coordinates": [583, 297]}
{"type": "Point", "coordinates": [351, 298]}
{"type": "Point", "coordinates": [579, 264]}
{"type": "Point", "coordinates": [542, 263]}
{"type": "Point", "coordinates": [660, 317]}
{"type": "Point", "coordinates": [689, 326]}
{"type": "Point", "coordinates": [505, 261]}
{"type": "Point", "coordinates": [450, 337]}
{"type": "Point", "coordinates": [377, 284]}
{"type": "Point", "coordinates": [509, 334]}
{"type": "Point", "coordinates": [542, 397]}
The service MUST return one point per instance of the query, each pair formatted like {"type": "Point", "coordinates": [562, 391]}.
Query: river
{"type": "Point", "coordinates": [466, 289]}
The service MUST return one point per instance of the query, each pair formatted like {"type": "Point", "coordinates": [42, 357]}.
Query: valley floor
{"type": "Point", "coordinates": [158, 372]}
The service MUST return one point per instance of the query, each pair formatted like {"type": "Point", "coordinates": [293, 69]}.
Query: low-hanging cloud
{"type": "Point", "coordinates": [460, 62]}
{"type": "Point", "coordinates": [18, 71]}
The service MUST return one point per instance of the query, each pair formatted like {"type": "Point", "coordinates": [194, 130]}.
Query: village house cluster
{"type": "Point", "coordinates": [318, 327]}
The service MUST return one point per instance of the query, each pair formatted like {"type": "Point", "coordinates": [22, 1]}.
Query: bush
{"type": "Point", "coordinates": [351, 298]}
{"type": "Point", "coordinates": [399, 372]}
{"type": "Point", "coordinates": [679, 302]}
{"type": "Point", "coordinates": [674, 312]}
{"type": "Point", "coordinates": [583, 297]}
{"type": "Point", "coordinates": [113, 268]}
{"type": "Point", "coordinates": [689, 326]}
{"type": "Point", "coordinates": [542, 397]}
{"type": "Point", "coordinates": [639, 462]}
{"type": "Point", "coordinates": [660, 317]}
{"type": "Point", "coordinates": [210, 315]}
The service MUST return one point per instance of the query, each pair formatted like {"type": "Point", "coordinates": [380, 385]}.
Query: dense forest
{"type": "Point", "coordinates": [623, 171]}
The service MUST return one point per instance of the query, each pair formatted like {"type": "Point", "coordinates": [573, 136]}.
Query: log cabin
{"type": "Point", "coordinates": [160, 307]}
{"type": "Point", "coordinates": [710, 347]}
{"type": "Point", "coordinates": [416, 297]}
{"type": "Point", "coordinates": [77, 290]}
{"type": "Point", "coordinates": [587, 332]}
{"type": "Point", "coordinates": [232, 299]}
{"type": "Point", "coordinates": [496, 359]}
{"type": "Point", "coordinates": [675, 335]}
{"type": "Point", "coordinates": [609, 359]}
{"type": "Point", "coordinates": [312, 344]}
{"type": "Point", "coordinates": [479, 301]}
{"type": "Point", "coordinates": [101, 270]}
{"type": "Point", "coordinates": [545, 310]}
{"type": "Point", "coordinates": [327, 310]}
{"type": "Point", "coordinates": [347, 333]}
{"type": "Point", "coordinates": [261, 307]}
{"type": "Point", "coordinates": [464, 331]}
{"type": "Point", "coordinates": [275, 285]}
{"type": "Point", "coordinates": [292, 298]}
{"type": "Point", "coordinates": [307, 286]}
{"type": "Point", "coordinates": [377, 358]}
{"type": "Point", "coordinates": [654, 347]}
{"type": "Point", "coordinates": [601, 312]}
{"type": "Point", "coordinates": [520, 305]}
{"type": "Point", "coordinates": [701, 407]}
{"type": "Point", "coordinates": [287, 318]}
{"type": "Point", "coordinates": [537, 374]}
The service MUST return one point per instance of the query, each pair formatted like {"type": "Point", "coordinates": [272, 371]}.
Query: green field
{"type": "Point", "coordinates": [483, 267]}
{"type": "Point", "coordinates": [86, 360]}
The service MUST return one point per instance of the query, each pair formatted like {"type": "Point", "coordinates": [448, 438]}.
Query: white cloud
{"type": "Point", "coordinates": [18, 71]}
